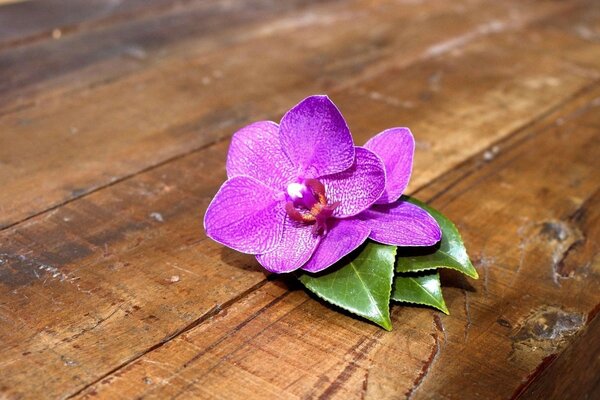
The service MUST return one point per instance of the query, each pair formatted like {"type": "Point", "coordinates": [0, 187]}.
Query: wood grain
{"type": "Point", "coordinates": [109, 157]}
{"type": "Point", "coordinates": [574, 374]}
{"type": "Point", "coordinates": [27, 21]}
{"type": "Point", "coordinates": [93, 137]}
{"type": "Point", "coordinates": [96, 55]}
{"type": "Point", "coordinates": [501, 327]}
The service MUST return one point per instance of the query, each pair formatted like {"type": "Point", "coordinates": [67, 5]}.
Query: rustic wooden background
{"type": "Point", "coordinates": [115, 118]}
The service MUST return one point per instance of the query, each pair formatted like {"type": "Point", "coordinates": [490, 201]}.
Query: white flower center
{"type": "Point", "coordinates": [295, 190]}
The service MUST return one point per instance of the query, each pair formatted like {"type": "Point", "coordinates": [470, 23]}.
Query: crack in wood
{"type": "Point", "coordinates": [561, 268]}
{"type": "Point", "coordinates": [216, 310]}
{"type": "Point", "coordinates": [468, 322]}
{"type": "Point", "coordinates": [210, 313]}
{"type": "Point", "coordinates": [358, 353]}
{"type": "Point", "coordinates": [474, 160]}
{"type": "Point", "coordinates": [112, 183]}
{"type": "Point", "coordinates": [219, 140]}
{"type": "Point", "coordinates": [93, 326]}
{"type": "Point", "coordinates": [365, 385]}
{"type": "Point", "coordinates": [244, 343]}
{"type": "Point", "coordinates": [435, 351]}
{"type": "Point", "coordinates": [440, 326]}
{"type": "Point", "coordinates": [236, 329]}
{"type": "Point", "coordinates": [512, 140]}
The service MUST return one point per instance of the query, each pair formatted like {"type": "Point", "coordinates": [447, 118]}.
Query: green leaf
{"type": "Point", "coordinates": [450, 252]}
{"type": "Point", "coordinates": [361, 284]}
{"type": "Point", "coordinates": [423, 288]}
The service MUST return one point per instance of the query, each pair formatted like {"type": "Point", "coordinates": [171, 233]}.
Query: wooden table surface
{"type": "Point", "coordinates": [115, 118]}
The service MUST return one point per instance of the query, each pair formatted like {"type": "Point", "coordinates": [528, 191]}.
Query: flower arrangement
{"type": "Point", "coordinates": [303, 198]}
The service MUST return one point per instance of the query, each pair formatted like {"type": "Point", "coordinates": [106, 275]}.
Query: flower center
{"type": "Point", "coordinates": [307, 203]}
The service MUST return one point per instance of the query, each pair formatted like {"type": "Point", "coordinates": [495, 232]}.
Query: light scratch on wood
{"type": "Point", "coordinates": [467, 315]}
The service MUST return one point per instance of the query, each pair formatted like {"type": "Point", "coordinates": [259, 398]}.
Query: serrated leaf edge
{"type": "Point", "coordinates": [386, 321]}
{"type": "Point", "coordinates": [474, 274]}
{"type": "Point", "coordinates": [444, 310]}
{"type": "Point", "coordinates": [470, 267]}
{"type": "Point", "coordinates": [383, 318]}
{"type": "Point", "coordinates": [387, 325]}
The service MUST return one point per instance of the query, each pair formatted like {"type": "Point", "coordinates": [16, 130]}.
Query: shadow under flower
{"type": "Point", "coordinates": [246, 262]}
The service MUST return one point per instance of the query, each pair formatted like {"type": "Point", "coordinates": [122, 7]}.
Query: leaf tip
{"type": "Point", "coordinates": [472, 272]}
{"type": "Point", "coordinates": [386, 324]}
{"type": "Point", "coordinates": [442, 306]}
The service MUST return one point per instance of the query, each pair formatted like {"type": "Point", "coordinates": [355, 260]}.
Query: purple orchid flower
{"type": "Point", "coordinates": [301, 195]}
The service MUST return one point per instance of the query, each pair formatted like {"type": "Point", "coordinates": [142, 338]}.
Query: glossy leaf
{"type": "Point", "coordinates": [450, 252]}
{"type": "Point", "coordinates": [422, 288]}
{"type": "Point", "coordinates": [360, 284]}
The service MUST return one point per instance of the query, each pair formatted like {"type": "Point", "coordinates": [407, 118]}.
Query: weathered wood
{"type": "Point", "coordinates": [94, 56]}
{"type": "Point", "coordinates": [92, 137]}
{"type": "Point", "coordinates": [279, 342]}
{"type": "Point", "coordinates": [119, 291]}
{"type": "Point", "coordinates": [574, 374]}
{"type": "Point", "coordinates": [23, 22]}
{"type": "Point", "coordinates": [530, 210]}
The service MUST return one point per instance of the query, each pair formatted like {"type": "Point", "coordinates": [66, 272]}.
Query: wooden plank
{"type": "Point", "coordinates": [99, 282]}
{"type": "Point", "coordinates": [114, 130]}
{"type": "Point", "coordinates": [475, 97]}
{"type": "Point", "coordinates": [93, 57]}
{"type": "Point", "coordinates": [574, 374]}
{"type": "Point", "coordinates": [26, 21]}
{"type": "Point", "coordinates": [532, 219]}
{"type": "Point", "coordinates": [523, 226]}
{"type": "Point", "coordinates": [255, 348]}
{"type": "Point", "coordinates": [104, 54]}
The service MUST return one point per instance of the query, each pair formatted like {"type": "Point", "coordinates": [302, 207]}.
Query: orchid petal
{"type": "Point", "coordinates": [402, 224]}
{"type": "Point", "coordinates": [245, 215]}
{"type": "Point", "coordinates": [358, 187]}
{"type": "Point", "coordinates": [396, 149]}
{"type": "Point", "coordinates": [297, 244]}
{"type": "Point", "coordinates": [255, 151]}
{"type": "Point", "coordinates": [345, 236]}
{"type": "Point", "coordinates": [315, 137]}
